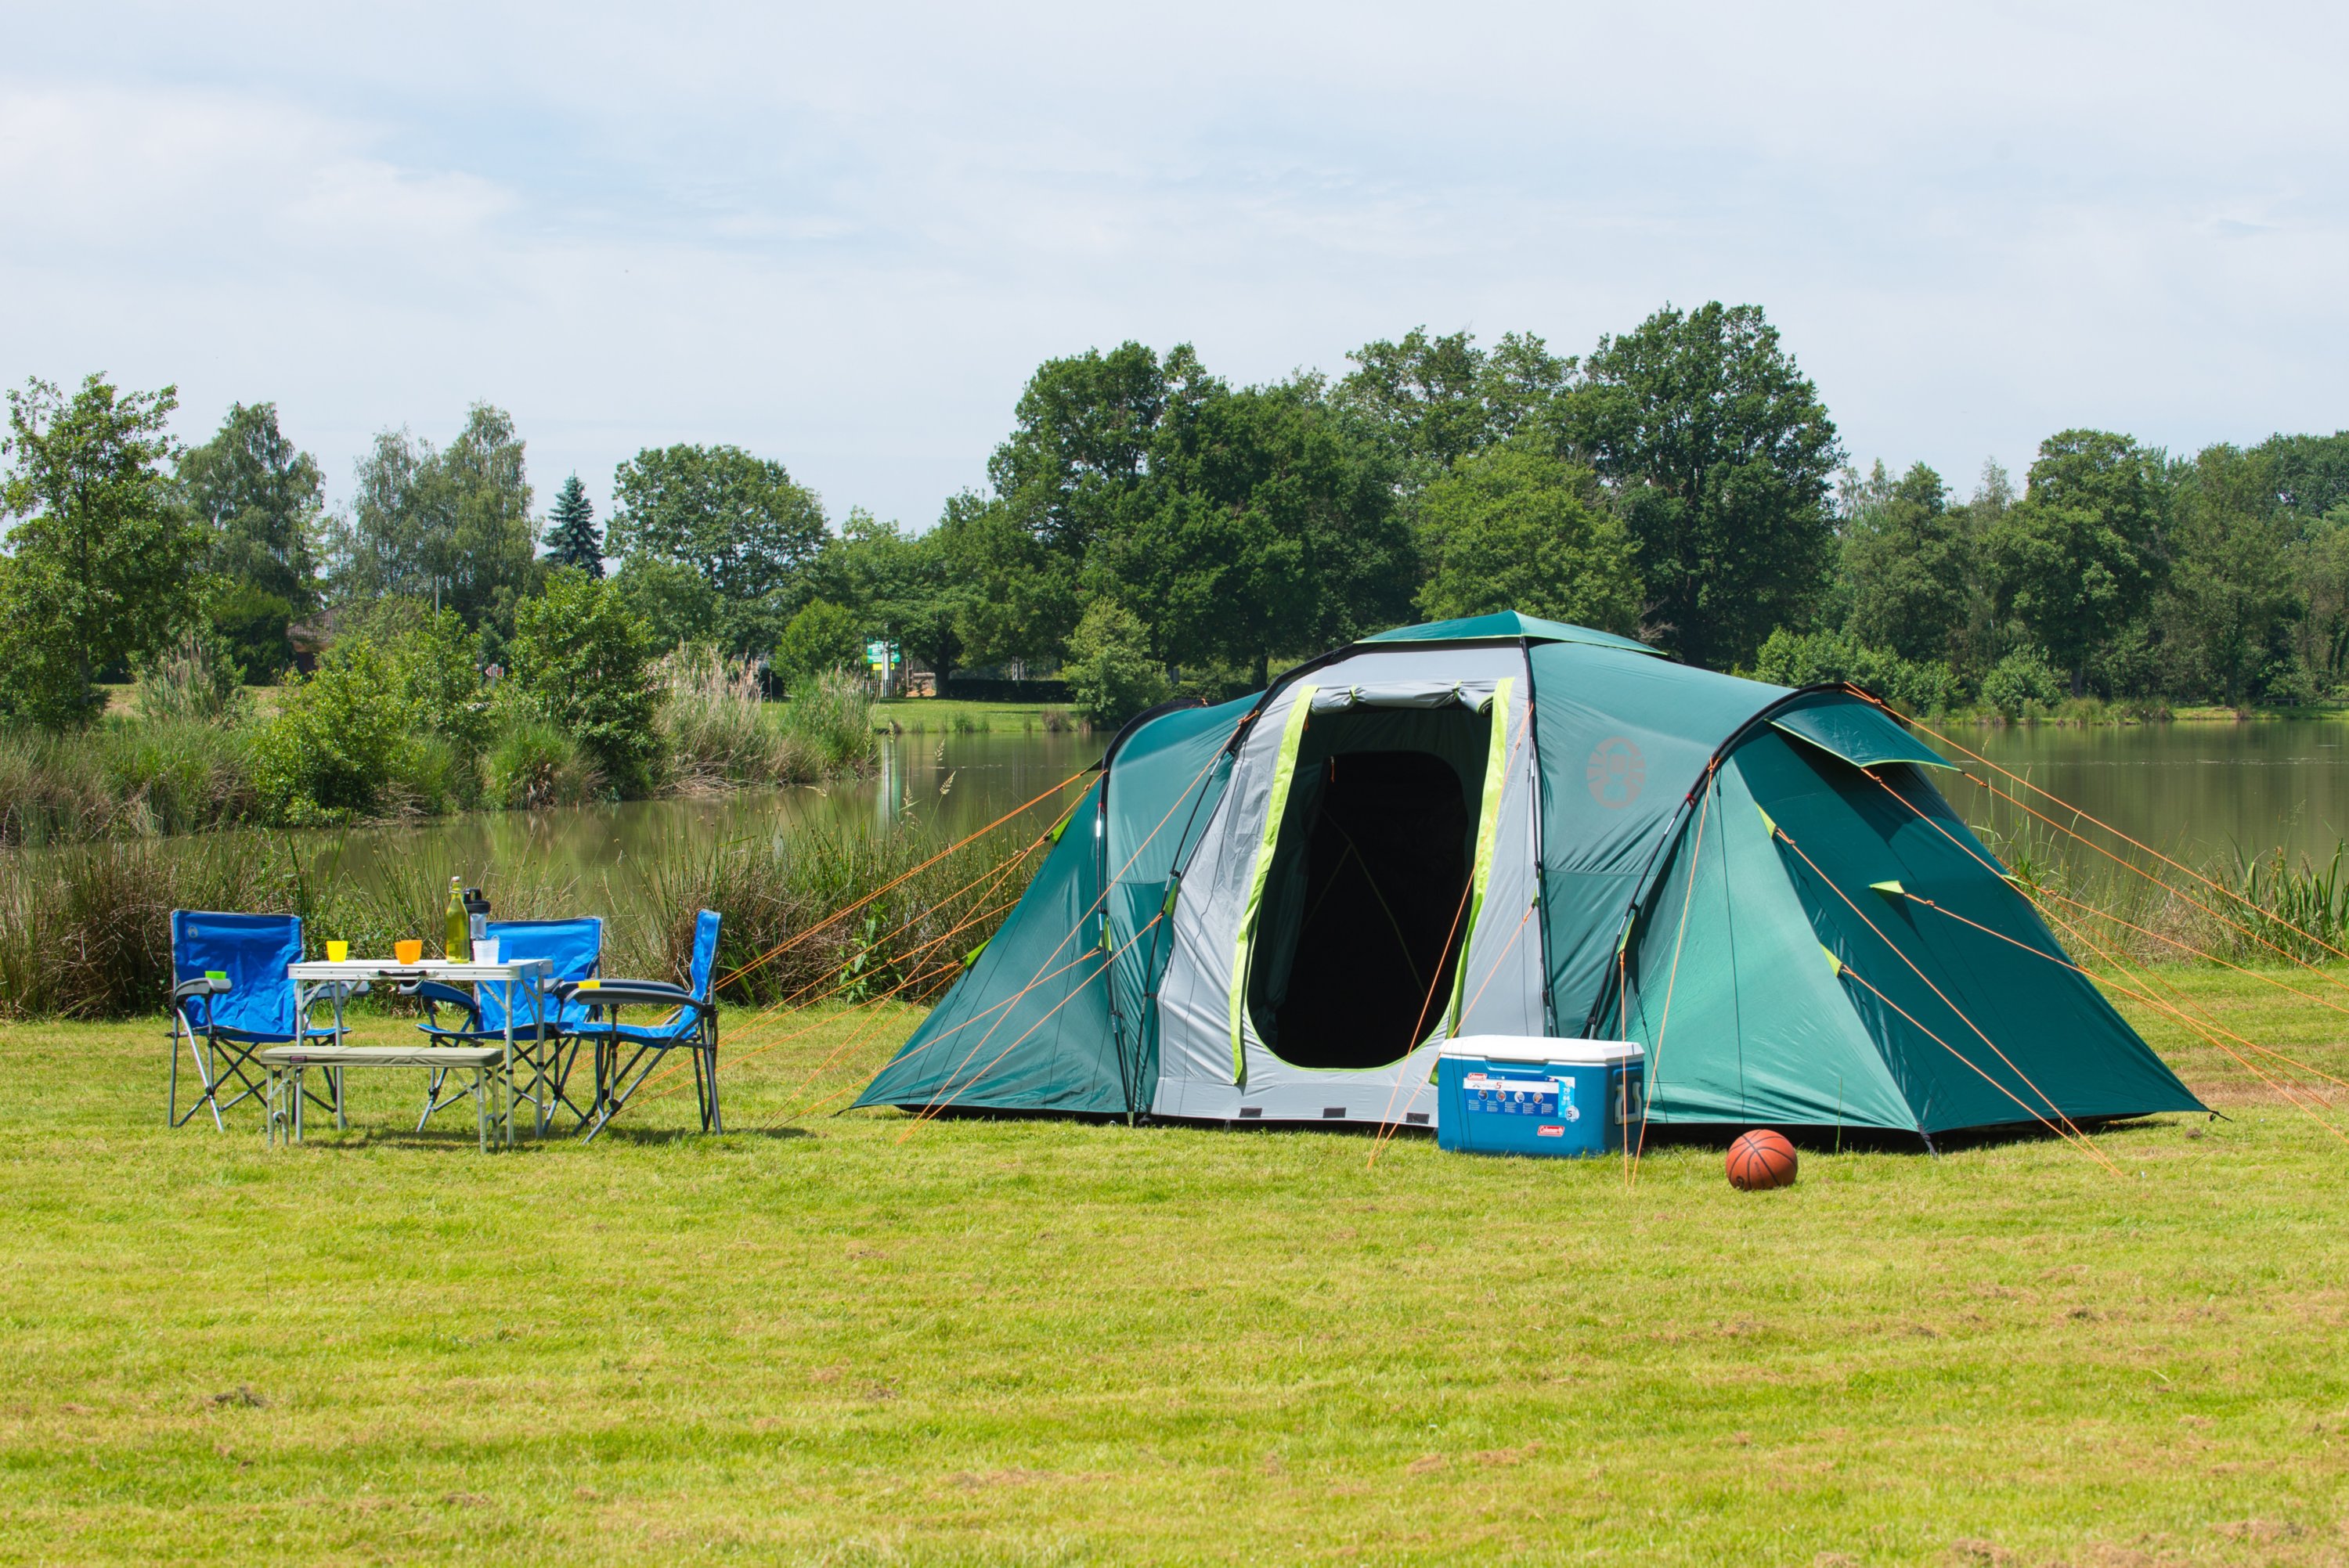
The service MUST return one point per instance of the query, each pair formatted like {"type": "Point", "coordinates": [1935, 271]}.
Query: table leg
{"type": "Point", "coordinates": [334, 1076]}
{"type": "Point", "coordinates": [505, 990]}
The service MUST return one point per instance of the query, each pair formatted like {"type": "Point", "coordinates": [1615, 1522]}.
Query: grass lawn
{"type": "Point", "coordinates": [953, 716]}
{"type": "Point", "coordinates": [864, 1340]}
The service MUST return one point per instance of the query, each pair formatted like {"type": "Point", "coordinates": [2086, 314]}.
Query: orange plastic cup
{"type": "Point", "coordinates": [408, 950]}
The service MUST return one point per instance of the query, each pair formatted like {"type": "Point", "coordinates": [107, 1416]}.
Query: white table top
{"type": "Point", "coordinates": [424, 969]}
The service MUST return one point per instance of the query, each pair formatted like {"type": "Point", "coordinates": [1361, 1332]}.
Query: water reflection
{"type": "Point", "coordinates": [2192, 790]}
{"type": "Point", "coordinates": [955, 783]}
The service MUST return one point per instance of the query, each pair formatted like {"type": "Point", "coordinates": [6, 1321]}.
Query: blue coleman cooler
{"type": "Point", "coordinates": [1516, 1094]}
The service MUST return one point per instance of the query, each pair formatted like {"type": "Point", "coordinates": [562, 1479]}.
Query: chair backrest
{"type": "Point", "coordinates": [704, 953]}
{"type": "Point", "coordinates": [575, 947]}
{"type": "Point", "coordinates": [253, 950]}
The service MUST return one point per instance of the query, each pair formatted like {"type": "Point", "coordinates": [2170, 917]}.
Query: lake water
{"type": "Point", "coordinates": [955, 783]}
{"type": "Point", "coordinates": [2192, 790]}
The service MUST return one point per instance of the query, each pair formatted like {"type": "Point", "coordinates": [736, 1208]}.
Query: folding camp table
{"type": "Point", "coordinates": [520, 981]}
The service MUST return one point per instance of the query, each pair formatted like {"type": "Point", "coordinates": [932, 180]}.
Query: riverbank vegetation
{"type": "Point", "coordinates": [864, 1339]}
{"type": "Point", "coordinates": [401, 723]}
{"type": "Point", "coordinates": [84, 930]}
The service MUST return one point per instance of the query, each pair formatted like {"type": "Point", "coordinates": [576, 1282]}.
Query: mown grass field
{"type": "Point", "coordinates": [955, 716]}
{"type": "Point", "coordinates": [862, 1340]}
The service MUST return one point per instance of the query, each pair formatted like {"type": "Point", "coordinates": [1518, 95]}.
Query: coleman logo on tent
{"type": "Point", "coordinates": [1616, 772]}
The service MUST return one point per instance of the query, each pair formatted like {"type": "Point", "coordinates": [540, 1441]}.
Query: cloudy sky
{"type": "Point", "coordinates": [842, 238]}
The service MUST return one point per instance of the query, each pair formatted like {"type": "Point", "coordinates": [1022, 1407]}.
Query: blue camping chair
{"type": "Point", "coordinates": [576, 949]}
{"type": "Point", "coordinates": [691, 1026]}
{"type": "Point", "coordinates": [253, 1003]}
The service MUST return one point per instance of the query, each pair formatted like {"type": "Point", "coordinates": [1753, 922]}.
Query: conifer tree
{"type": "Point", "coordinates": [571, 536]}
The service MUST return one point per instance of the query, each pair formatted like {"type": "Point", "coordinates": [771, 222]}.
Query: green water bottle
{"type": "Point", "coordinates": [460, 946]}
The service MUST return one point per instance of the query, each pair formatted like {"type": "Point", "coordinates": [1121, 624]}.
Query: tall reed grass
{"type": "Point", "coordinates": [124, 779]}
{"type": "Point", "coordinates": [85, 931]}
{"type": "Point", "coordinates": [718, 732]}
{"type": "Point", "coordinates": [2130, 907]}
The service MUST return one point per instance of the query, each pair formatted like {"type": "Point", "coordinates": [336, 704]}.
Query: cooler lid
{"type": "Point", "coordinates": [1542, 1048]}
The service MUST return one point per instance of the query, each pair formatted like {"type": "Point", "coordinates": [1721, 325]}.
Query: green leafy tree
{"type": "Point", "coordinates": [676, 603]}
{"type": "Point", "coordinates": [252, 626]}
{"type": "Point", "coordinates": [261, 499]}
{"type": "Point", "coordinates": [1076, 470]}
{"type": "Point", "coordinates": [584, 659]}
{"type": "Point", "coordinates": [1906, 564]}
{"type": "Point", "coordinates": [2079, 556]}
{"type": "Point", "coordinates": [2230, 591]}
{"type": "Point", "coordinates": [1109, 668]}
{"type": "Point", "coordinates": [1515, 527]}
{"type": "Point", "coordinates": [738, 520]}
{"type": "Point", "coordinates": [101, 557]}
{"type": "Point", "coordinates": [450, 527]}
{"type": "Point", "coordinates": [2320, 567]}
{"type": "Point", "coordinates": [822, 637]}
{"type": "Point", "coordinates": [572, 538]}
{"type": "Point", "coordinates": [1720, 455]}
{"type": "Point", "coordinates": [2310, 472]}
{"type": "Point", "coordinates": [903, 586]}
{"type": "Point", "coordinates": [1019, 598]}
{"type": "Point", "coordinates": [1269, 528]}
{"type": "Point", "coordinates": [1435, 400]}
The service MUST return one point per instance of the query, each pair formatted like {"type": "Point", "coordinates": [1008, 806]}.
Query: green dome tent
{"type": "Point", "coordinates": [1278, 908]}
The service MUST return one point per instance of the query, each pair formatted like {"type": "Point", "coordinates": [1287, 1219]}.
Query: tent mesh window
{"type": "Point", "coordinates": [1376, 847]}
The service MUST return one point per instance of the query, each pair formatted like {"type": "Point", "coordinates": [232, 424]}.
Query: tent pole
{"type": "Point", "coordinates": [1541, 875]}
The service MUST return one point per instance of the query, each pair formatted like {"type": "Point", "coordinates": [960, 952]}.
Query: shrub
{"type": "Point", "coordinates": [440, 671]}
{"type": "Point", "coordinates": [2022, 683]}
{"type": "Point", "coordinates": [338, 739]}
{"type": "Point", "coordinates": [584, 658]}
{"type": "Point", "coordinates": [430, 777]}
{"type": "Point", "coordinates": [1109, 670]}
{"type": "Point", "coordinates": [1818, 658]}
{"type": "Point", "coordinates": [820, 638]}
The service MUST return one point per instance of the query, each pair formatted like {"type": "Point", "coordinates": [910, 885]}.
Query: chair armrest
{"type": "Point", "coordinates": [436, 995]}
{"type": "Point", "coordinates": [202, 986]}
{"type": "Point", "coordinates": [631, 994]}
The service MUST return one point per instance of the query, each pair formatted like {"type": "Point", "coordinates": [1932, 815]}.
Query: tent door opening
{"type": "Point", "coordinates": [1363, 921]}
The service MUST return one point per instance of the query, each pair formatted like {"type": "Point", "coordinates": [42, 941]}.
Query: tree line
{"type": "Point", "coordinates": [1147, 526]}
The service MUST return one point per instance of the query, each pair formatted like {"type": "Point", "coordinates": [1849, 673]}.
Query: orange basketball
{"type": "Point", "coordinates": [1761, 1159]}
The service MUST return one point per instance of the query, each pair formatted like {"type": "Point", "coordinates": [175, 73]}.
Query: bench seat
{"type": "Point", "coordinates": [383, 1055]}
